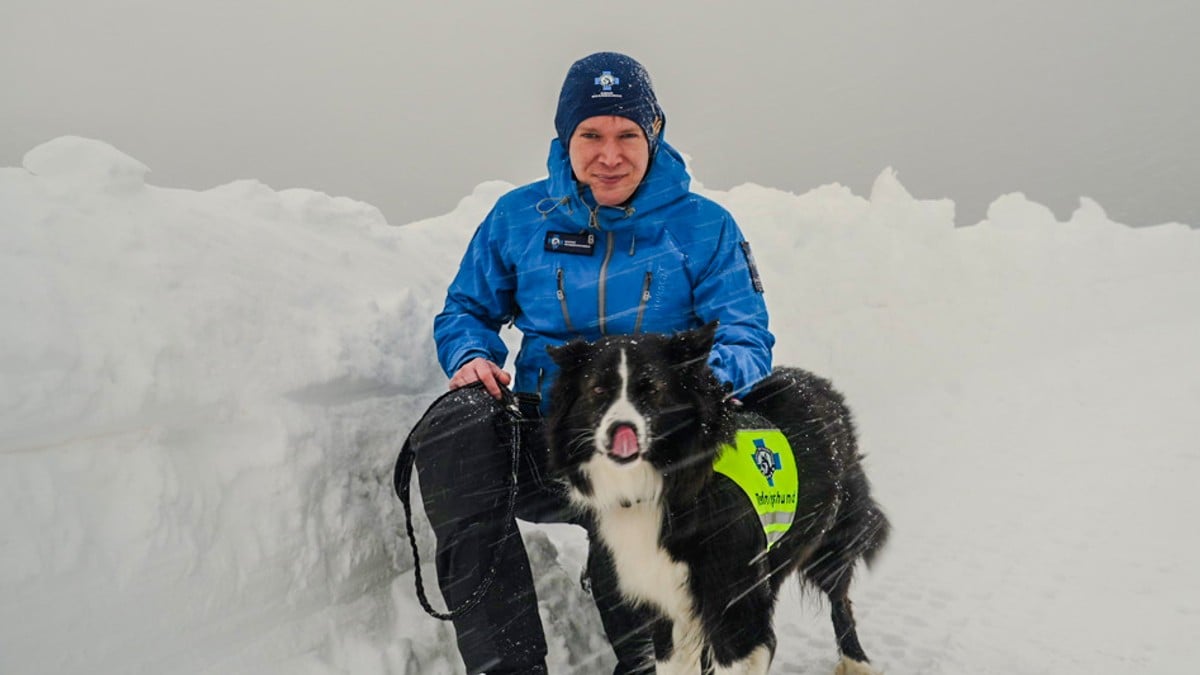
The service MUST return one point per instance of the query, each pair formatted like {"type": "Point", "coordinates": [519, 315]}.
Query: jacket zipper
{"type": "Point", "coordinates": [637, 325]}
{"type": "Point", "coordinates": [594, 223]}
{"type": "Point", "coordinates": [562, 301]}
{"type": "Point", "coordinates": [604, 280]}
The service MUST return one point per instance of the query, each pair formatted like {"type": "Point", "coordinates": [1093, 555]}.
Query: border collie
{"type": "Point", "coordinates": [635, 426]}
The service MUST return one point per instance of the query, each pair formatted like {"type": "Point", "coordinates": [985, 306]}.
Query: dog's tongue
{"type": "Point", "coordinates": [624, 442]}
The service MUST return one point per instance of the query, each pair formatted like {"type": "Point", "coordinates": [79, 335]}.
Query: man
{"type": "Point", "coordinates": [611, 242]}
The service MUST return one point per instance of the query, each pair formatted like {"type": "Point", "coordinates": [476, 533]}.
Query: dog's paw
{"type": "Point", "coordinates": [848, 666]}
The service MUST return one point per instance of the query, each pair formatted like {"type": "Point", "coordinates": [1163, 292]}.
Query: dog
{"type": "Point", "coordinates": [634, 428]}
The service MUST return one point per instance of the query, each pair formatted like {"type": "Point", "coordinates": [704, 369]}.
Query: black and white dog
{"type": "Point", "coordinates": [634, 428]}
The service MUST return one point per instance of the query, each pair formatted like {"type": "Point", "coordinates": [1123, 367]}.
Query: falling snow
{"type": "Point", "coordinates": [203, 394]}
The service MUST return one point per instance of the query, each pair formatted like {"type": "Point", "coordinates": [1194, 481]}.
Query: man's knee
{"type": "Point", "coordinates": [461, 455]}
{"type": "Point", "coordinates": [463, 417]}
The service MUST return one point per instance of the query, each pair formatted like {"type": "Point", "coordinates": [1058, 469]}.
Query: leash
{"type": "Point", "coordinates": [402, 483]}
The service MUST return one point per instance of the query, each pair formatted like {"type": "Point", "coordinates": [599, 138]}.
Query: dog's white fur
{"type": "Point", "coordinates": [626, 501]}
{"type": "Point", "coordinates": [757, 663]}
{"type": "Point", "coordinates": [848, 666]}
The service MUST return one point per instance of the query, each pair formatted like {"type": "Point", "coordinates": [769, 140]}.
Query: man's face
{"type": "Point", "coordinates": [609, 154]}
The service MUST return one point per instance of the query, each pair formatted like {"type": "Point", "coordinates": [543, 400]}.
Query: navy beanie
{"type": "Point", "coordinates": [607, 83]}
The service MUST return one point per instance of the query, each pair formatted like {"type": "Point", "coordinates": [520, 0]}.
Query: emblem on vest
{"type": "Point", "coordinates": [768, 461]}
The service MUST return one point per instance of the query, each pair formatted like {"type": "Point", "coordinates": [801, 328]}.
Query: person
{"type": "Point", "coordinates": [611, 242]}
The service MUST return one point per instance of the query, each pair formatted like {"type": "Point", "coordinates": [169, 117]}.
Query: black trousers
{"type": "Point", "coordinates": [463, 460]}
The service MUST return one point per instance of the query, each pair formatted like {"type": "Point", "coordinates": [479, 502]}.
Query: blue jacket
{"type": "Point", "coordinates": [668, 261]}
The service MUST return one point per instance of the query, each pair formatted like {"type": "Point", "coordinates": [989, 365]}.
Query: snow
{"type": "Point", "coordinates": [202, 395]}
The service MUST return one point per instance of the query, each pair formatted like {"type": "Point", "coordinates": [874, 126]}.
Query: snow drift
{"type": "Point", "coordinates": [202, 394]}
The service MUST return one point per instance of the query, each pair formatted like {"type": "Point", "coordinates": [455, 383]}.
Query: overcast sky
{"type": "Point", "coordinates": [409, 106]}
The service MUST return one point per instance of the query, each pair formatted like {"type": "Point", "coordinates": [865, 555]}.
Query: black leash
{"type": "Point", "coordinates": [402, 481]}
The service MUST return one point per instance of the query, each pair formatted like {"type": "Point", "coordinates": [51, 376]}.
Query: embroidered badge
{"type": "Point", "coordinates": [754, 278]}
{"type": "Point", "coordinates": [579, 243]}
{"type": "Point", "coordinates": [606, 81]}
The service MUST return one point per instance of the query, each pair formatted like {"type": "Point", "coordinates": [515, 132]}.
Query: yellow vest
{"type": "Point", "coordinates": [762, 463]}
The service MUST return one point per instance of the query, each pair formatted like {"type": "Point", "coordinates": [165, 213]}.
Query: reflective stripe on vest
{"type": "Point", "coordinates": [761, 462]}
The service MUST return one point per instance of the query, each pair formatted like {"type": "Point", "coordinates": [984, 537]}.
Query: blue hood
{"type": "Point", "coordinates": [665, 182]}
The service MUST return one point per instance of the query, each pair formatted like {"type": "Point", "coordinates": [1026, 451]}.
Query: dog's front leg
{"type": "Point", "coordinates": [757, 663]}
{"type": "Point", "coordinates": [681, 654]}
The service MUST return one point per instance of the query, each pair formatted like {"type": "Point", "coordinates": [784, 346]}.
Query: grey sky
{"type": "Point", "coordinates": [409, 106]}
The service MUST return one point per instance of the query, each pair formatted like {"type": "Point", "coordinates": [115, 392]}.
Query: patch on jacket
{"type": "Point", "coordinates": [578, 243]}
{"type": "Point", "coordinates": [754, 278]}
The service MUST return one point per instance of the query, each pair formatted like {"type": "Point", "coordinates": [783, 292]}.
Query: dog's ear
{"type": "Point", "coordinates": [569, 356]}
{"type": "Point", "coordinates": [693, 346]}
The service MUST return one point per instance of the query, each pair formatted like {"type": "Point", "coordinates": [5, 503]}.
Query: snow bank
{"type": "Point", "coordinates": [202, 394]}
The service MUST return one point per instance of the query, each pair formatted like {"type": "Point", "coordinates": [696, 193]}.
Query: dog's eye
{"type": "Point", "coordinates": [599, 390]}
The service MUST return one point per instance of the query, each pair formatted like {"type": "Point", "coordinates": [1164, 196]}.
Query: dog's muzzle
{"type": "Point", "coordinates": [623, 445]}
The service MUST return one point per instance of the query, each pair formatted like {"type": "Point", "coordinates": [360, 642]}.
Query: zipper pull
{"type": "Point", "coordinates": [561, 294]}
{"type": "Point", "coordinates": [641, 312]}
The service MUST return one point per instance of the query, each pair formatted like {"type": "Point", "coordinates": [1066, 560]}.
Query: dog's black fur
{"type": "Point", "coordinates": [705, 522]}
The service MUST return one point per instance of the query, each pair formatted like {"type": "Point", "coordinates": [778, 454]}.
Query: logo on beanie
{"type": "Point", "coordinates": [606, 82]}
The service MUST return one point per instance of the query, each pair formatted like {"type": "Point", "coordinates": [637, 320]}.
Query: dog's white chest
{"type": "Point", "coordinates": [645, 571]}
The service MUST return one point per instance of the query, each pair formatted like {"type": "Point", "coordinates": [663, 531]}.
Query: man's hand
{"type": "Point", "coordinates": [482, 370]}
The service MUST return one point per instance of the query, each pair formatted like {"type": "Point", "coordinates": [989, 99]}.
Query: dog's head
{"type": "Point", "coordinates": [635, 418]}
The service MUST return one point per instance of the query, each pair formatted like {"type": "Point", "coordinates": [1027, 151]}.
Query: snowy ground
{"type": "Point", "coordinates": [202, 394]}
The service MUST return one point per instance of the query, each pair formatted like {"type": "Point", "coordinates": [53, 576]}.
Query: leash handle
{"type": "Point", "coordinates": [402, 482]}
